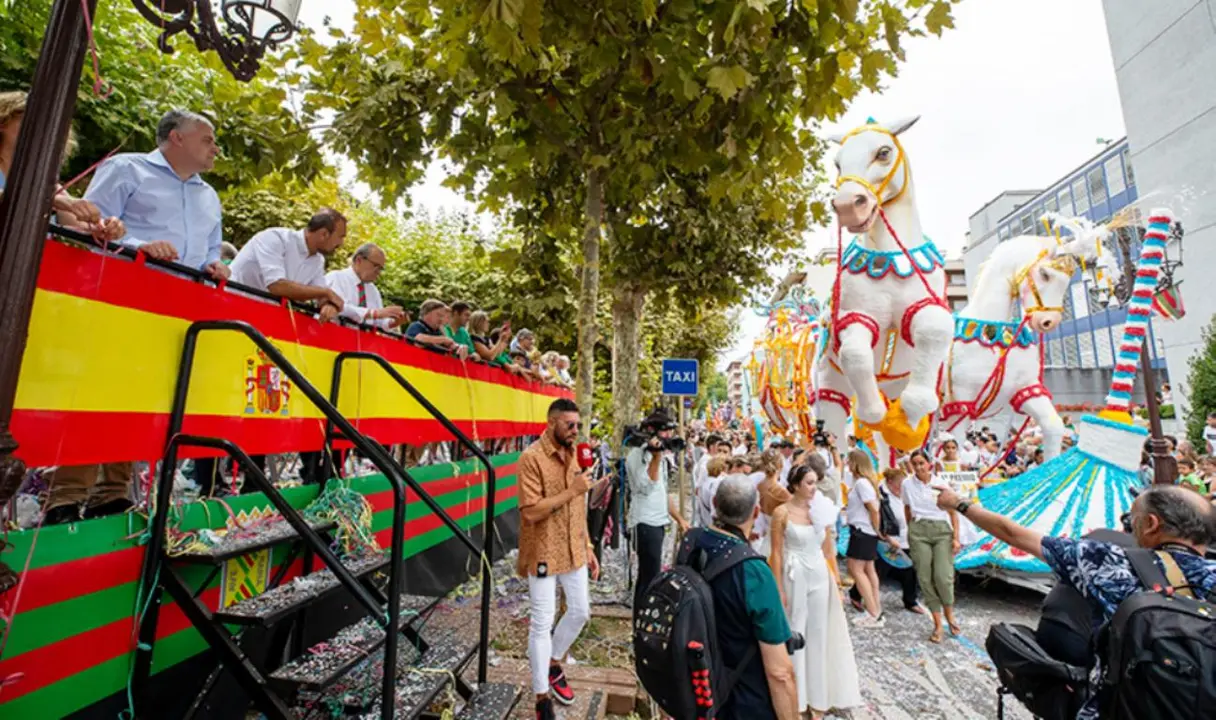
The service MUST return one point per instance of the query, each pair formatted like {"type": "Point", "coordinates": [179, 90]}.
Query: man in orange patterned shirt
{"type": "Point", "coordinates": [553, 547]}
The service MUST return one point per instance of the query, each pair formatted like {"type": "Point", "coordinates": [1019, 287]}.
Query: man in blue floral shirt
{"type": "Point", "coordinates": [1164, 517]}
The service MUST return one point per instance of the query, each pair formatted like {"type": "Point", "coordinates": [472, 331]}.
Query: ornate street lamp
{"type": "Point", "coordinates": [1111, 282]}
{"type": "Point", "coordinates": [252, 27]}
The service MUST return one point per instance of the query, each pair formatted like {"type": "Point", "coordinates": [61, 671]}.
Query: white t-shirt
{"type": "Point", "coordinates": [922, 499]}
{"type": "Point", "coordinates": [1209, 438]}
{"type": "Point", "coordinates": [861, 491]}
{"type": "Point", "coordinates": [278, 254]}
{"type": "Point", "coordinates": [897, 505]}
{"type": "Point", "coordinates": [346, 283]}
{"type": "Point", "coordinates": [705, 497]}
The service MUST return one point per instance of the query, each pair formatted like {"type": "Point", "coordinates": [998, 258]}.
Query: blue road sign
{"type": "Point", "coordinates": [680, 377]}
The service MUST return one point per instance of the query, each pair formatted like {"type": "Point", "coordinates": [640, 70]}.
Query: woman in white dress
{"type": "Point", "coordinates": [802, 559]}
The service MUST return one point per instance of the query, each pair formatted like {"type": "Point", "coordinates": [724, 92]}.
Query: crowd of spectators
{"type": "Point", "coordinates": [159, 204]}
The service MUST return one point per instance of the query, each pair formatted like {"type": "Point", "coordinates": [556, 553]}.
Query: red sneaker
{"type": "Point", "coordinates": [561, 688]}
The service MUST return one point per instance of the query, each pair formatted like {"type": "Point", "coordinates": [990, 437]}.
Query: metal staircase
{"type": "Point", "coordinates": [365, 654]}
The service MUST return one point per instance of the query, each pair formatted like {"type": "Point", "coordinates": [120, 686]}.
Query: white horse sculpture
{"type": "Point", "coordinates": [890, 323]}
{"type": "Point", "coordinates": [996, 359]}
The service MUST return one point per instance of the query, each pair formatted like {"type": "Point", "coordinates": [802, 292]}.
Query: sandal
{"type": "Point", "coordinates": [936, 637]}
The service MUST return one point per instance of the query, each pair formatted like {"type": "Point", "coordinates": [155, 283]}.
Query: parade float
{"type": "Point", "coordinates": [889, 326]}
{"type": "Point", "coordinates": [1089, 486]}
{"type": "Point", "coordinates": [782, 364]}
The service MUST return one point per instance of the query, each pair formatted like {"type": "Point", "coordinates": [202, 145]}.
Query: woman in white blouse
{"type": "Point", "coordinates": [932, 543]}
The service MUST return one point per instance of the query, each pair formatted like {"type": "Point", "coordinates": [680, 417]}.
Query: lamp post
{"type": "Point", "coordinates": [1105, 292]}
{"type": "Point", "coordinates": [251, 27]}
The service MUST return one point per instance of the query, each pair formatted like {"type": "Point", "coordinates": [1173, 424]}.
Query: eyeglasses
{"type": "Point", "coordinates": [573, 425]}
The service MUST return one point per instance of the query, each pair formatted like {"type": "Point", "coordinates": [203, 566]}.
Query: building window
{"type": "Point", "coordinates": [1080, 300]}
{"type": "Point", "coordinates": [1114, 176]}
{"type": "Point", "coordinates": [1097, 185]}
{"type": "Point", "coordinates": [1027, 224]}
{"type": "Point", "coordinates": [1127, 167]}
{"type": "Point", "coordinates": [1051, 205]}
{"type": "Point", "coordinates": [1080, 196]}
{"type": "Point", "coordinates": [1065, 202]}
{"type": "Point", "coordinates": [1085, 342]}
{"type": "Point", "coordinates": [1003, 232]}
{"type": "Point", "coordinates": [1054, 354]}
{"type": "Point", "coordinates": [1105, 347]}
{"type": "Point", "coordinates": [1072, 358]}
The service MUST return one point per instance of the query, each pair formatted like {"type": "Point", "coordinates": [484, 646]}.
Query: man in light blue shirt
{"type": "Point", "coordinates": [170, 212]}
{"type": "Point", "coordinates": [649, 505]}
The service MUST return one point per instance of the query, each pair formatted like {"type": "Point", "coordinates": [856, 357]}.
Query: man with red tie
{"type": "Point", "coordinates": [356, 285]}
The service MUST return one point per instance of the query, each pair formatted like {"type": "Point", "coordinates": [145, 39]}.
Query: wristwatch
{"type": "Point", "coordinates": [961, 508]}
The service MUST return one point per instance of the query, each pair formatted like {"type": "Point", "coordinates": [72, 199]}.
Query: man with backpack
{"type": "Point", "coordinates": [710, 635]}
{"type": "Point", "coordinates": [1150, 606]}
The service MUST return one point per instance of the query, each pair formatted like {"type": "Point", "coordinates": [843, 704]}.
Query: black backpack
{"type": "Point", "coordinates": [1049, 688]}
{"type": "Point", "coordinates": [1159, 650]}
{"type": "Point", "coordinates": [888, 524]}
{"type": "Point", "coordinates": [675, 635]}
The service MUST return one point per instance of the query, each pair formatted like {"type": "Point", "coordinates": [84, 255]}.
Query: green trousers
{"type": "Point", "coordinates": [931, 545]}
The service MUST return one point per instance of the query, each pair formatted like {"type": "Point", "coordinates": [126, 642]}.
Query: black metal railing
{"type": "Point", "coordinates": [397, 476]}
{"type": "Point", "coordinates": [486, 549]}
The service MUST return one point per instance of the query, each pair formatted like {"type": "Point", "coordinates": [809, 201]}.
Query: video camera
{"type": "Point", "coordinates": [820, 438]}
{"type": "Point", "coordinates": [646, 433]}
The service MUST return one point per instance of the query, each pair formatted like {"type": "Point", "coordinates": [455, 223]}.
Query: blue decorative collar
{"type": "Point", "coordinates": [858, 259]}
{"type": "Point", "coordinates": [993, 333]}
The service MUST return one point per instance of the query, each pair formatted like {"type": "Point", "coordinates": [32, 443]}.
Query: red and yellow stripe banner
{"type": "Point", "coordinates": [105, 344]}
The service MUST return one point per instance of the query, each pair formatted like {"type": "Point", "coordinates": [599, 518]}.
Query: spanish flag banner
{"type": "Point", "coordinates": [105, 345]}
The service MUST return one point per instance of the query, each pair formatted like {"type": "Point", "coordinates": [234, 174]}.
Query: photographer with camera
{"type": "Point", "coordinates": [650, 507]}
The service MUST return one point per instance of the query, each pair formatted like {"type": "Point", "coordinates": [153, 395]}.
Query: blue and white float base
{"type": "Point", "coordinates": [1086, 488]}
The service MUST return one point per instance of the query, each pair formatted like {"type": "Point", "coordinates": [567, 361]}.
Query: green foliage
{"type": "Point", "coordinates": [698, 119]}
{"type": "Point", "coordinates": [258, 133]}
{"type": "Point", "coordinates": [1202, 381]}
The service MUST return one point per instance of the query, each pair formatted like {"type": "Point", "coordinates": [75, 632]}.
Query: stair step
{"type": "Point", "coordinates": [326, 662]}
{"type": "Point", "coordinates": [280, 602]}
{"type": "Point", "coordinates": [238, 542]}
{"type": "Point", "coordinates": [419, 682]}
{"type": "Point", "coordinates": [491, 701]}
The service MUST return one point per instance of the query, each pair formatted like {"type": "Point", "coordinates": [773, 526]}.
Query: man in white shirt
{"type": "Point", "coordinates": [650, 507]}
{"type": "Point", "coordinates": [715, 446]}
{"type": "Point", "coordinates": [291, 263]}
{"type": "Point", "coordinates": [357, 287]}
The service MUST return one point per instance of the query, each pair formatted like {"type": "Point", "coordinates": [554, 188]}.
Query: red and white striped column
{"type": "Point", "coordinates": [1139, 309]}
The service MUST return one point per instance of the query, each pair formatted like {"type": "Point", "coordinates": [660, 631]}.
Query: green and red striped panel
{"type": "Point", "coordinates": [70, 641]}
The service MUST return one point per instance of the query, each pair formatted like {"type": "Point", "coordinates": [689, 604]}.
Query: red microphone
{"type": "Point", "coordinates": [586, 457]}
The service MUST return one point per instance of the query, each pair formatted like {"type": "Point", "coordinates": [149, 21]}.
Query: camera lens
{"type": "Point", "coordinates": [795, 643]}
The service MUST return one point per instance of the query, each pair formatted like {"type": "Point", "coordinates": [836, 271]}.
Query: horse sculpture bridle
{"type": "Point", "coordinates": [899, 164]}
{"type": "Point", "coordinates": [1064, 264]}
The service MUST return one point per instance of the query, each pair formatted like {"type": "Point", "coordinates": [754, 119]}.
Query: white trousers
{"type": "Point", "coordinates": [543, 642]}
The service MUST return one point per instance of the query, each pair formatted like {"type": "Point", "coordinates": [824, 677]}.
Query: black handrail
{"type": "Point", "coordinates": [370, 449]}
{"type": "Point", "coordinates": [491, 486]}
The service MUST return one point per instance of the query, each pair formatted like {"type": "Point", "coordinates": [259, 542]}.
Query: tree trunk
{"type": "Point", "coordinates": [628, 299]}
{"type": "Point", "coordinates": [589, 292]}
